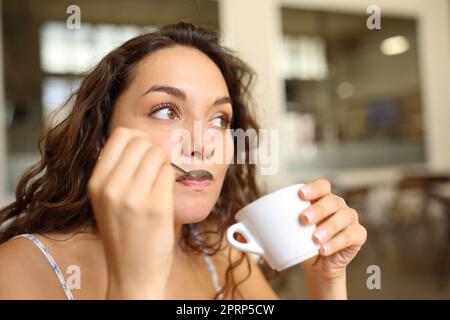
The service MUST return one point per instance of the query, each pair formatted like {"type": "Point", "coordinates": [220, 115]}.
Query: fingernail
{"type": "Point", "coordinates": [319, 236]}
{"type": "Point", "coordinates": [309, 215]}
{"type": "Point", "coordinates": [325, 248]}
{"type": "Point", "coordinates": [305, 191]}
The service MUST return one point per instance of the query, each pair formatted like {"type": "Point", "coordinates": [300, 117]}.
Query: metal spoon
{"type": "Point", "coordinates": [194, 174]}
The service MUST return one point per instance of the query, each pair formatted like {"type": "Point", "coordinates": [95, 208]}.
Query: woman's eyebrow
{"type": "Point", "coordinates": [223, 100]}
{"type": "Point", "coordinates": [178, 93]}
{"type": "Point", "coordinates": [167, 89]}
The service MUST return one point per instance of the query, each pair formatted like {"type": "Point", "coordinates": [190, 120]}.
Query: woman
{"type": "Point", "coordinates": [125, 224]}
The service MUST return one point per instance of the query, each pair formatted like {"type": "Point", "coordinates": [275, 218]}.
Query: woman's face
{"type": "Point", "coordinates": [179, 92]}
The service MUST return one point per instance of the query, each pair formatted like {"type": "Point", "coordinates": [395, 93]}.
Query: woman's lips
{"type": "Point", "coordinates": [195, 184]}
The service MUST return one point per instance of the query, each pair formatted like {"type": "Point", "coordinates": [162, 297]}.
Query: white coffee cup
{"type": "Point", "coordinates": [273, 230]}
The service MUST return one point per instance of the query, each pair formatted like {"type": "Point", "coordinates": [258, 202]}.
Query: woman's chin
{"type": "Point", "coordinates": [191, 211]}
{"type": "Point", "coordinates": [193, 204]}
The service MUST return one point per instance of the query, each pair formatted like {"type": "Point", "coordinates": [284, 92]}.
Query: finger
{"type": "Point", "coordinates": [335, 224]}
{"type": "Point", "coordinates": [146, 173]}
{"type": "Point", "coordinates": [322, 208]}
{"type": "Point", "coordinates": [129, 160]}
{"type": "Point", "coordinates": [113, 150]}
{"type": "Point", "coordinates": [162, 192]}
{"type": "Point", "coordinates": [354, 236]}
{"type": "Point", "coordinates": [315, 189]}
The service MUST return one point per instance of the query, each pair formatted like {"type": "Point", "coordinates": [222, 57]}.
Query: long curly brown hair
{"type": "Point", "coordinates": [52, 195]}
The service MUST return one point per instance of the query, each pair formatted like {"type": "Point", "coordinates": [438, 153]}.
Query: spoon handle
{"type": "Point", "coordinates": [184, 172]}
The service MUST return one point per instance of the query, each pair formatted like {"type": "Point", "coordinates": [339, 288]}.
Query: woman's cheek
{"type": "Point", "coordinates": [165, 140]}
{"type": "Point", "coordinates": [227, 156]}
{"type": "Point", "coordinates": [228, 147]}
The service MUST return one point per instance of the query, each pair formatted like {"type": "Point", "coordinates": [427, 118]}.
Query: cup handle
{"type": "Point", "coordinates": [251, 246]}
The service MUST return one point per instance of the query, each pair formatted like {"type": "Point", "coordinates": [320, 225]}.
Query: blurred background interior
{"type": "Point", "coordinates": [367, 109]}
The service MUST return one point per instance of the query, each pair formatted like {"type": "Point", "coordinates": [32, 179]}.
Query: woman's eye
{"type": "Point", "coordinates": [165, 113]}
{"type": "Point", "coordinates": [221, 121]}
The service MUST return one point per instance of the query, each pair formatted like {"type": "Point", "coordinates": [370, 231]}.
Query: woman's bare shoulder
{"type": "Point", "coordinates": [15, 255]}
{"type": "Point", "coordinates": [25, 272]}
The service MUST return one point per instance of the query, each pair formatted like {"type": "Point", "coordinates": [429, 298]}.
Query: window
{"type": "Point", "coordinates": [65, 51]}
{"type": "Point", "coordinates": [352, 94]}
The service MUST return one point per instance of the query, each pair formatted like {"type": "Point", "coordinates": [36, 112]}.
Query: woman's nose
{"type": "Point", "coordinates": [199, 147]}
{"type": "Point", "coordinates": [197, 153]}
